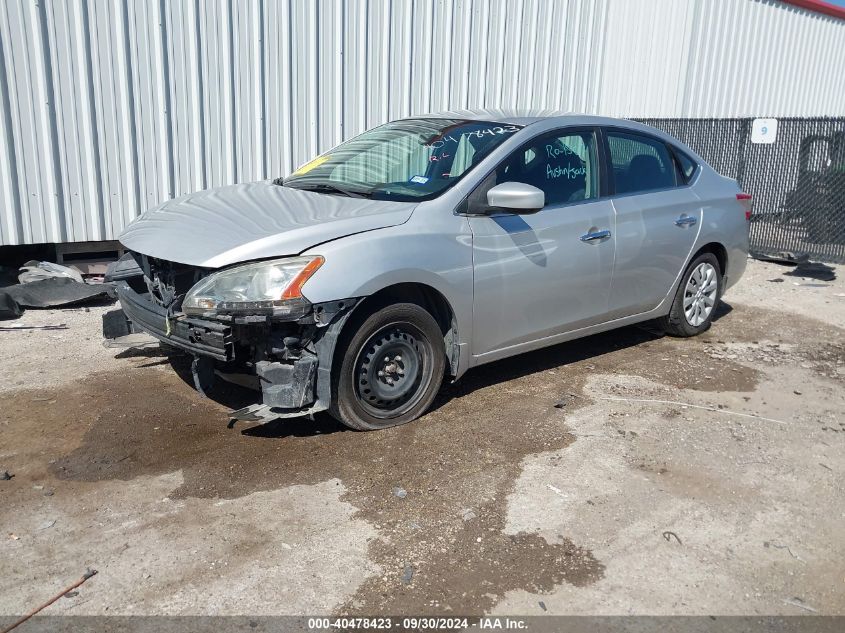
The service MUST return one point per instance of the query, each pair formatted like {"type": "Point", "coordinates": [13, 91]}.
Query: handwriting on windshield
{"type": "Point", "coordinates": [489, 131]}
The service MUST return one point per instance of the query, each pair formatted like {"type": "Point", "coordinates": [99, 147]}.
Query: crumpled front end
{"type": "Point", "coordinates": [288, 357]}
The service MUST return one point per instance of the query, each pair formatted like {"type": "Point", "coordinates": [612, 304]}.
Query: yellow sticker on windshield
{"type": "Point", "coordinates": [311, 165]}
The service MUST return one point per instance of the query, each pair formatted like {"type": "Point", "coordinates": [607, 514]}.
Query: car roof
{"type": "Point", "coordinates": [528, 117]}
{"type": "Point", "coordinates": [522, 117]}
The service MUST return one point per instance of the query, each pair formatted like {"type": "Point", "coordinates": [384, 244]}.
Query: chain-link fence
{"type": "Point", "coordinates": [797, 182]}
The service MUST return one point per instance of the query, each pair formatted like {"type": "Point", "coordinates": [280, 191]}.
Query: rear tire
{"type": "Point", "coordinates": [390, 368]}
{"type": "Point", "coordinates": [696, 299]}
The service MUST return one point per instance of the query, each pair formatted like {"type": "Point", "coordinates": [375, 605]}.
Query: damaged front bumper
{"type": "Point", "coordinates": [197, 336]}
{"type": "Point", "coordinates": [290, 359]}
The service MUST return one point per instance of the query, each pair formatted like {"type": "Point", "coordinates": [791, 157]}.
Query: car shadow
{"type": "Point", "coordinates": [556, 356]}
{"type": "Point", "coordinates": [233, 396]}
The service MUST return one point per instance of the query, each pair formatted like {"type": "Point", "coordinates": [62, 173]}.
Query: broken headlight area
{"type": "Point", "coordinates": [247, 320]}
{"type": "Point", "coordinates": [272, 288]}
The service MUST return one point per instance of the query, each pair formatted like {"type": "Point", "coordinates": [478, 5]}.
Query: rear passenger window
{"type": "Point", "coordinates": [685, 164]}
{"type": "Point", "coordinates": [640, 163]}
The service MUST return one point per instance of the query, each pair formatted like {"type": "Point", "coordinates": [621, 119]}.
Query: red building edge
{"type": "Point", "coordinates": [818, 6]}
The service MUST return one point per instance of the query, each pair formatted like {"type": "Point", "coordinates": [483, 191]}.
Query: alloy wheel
{"type": "Point", "coordinates": [700, 293]}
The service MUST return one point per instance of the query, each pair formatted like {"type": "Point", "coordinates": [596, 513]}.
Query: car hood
{"type": "Point", "coordinates": [239, 223]}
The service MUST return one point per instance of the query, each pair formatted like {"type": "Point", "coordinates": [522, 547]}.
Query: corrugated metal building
{"type": "Point", "coordinates": [111, 106]}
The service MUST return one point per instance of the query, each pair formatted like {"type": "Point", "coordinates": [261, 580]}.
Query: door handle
{"type": "Point", "coordinates": [685, 220]}
{"type": "Point", "coordinates": [598, 235]}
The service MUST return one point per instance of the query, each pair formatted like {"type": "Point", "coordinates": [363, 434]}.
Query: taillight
{"type": "Point", "coordinates": [745, 198]}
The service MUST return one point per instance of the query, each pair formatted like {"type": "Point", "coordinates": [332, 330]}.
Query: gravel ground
{"type": "Point", "coordinates": [626, 473]}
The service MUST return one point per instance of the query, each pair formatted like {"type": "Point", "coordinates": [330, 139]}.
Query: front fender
{"type": "Point", "coordinates": [361, 265]}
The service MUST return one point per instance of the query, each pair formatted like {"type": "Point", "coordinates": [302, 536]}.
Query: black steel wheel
{"type": "Point", "coordinates": [392, 367]}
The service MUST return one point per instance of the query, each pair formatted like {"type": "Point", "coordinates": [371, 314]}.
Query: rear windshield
{"type": "Point", "coordinates": [408, 160]}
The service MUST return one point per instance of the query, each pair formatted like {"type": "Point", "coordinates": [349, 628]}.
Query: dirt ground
{"type": "Point", "coordinates": [626, 473]}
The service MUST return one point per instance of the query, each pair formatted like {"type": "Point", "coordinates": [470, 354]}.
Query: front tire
{"type": "Point", "coordinates": [391, 368]}
{"type": "Point", "coordinates": [697, 298]}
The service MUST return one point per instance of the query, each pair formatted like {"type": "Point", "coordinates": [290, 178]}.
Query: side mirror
{"type": "Point", "coordinates": [516, 197]}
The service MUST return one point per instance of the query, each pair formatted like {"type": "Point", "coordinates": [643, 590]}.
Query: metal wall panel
{"type": "Point", "coordinates": [108, 107]}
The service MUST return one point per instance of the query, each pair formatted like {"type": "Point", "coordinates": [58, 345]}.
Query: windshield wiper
{"type": "Point", "coordinates": [324, 187]}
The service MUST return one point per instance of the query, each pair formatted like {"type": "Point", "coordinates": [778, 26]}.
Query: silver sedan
{"type": "Point", "coordinates": [425, 247]}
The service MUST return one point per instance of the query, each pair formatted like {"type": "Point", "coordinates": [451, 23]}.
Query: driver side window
{"type": "Point", "coordinates": [564, 166]}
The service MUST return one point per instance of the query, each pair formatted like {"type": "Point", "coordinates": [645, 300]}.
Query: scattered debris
{"type": "Point", "coordinates": [14, 537]}
{"type": "Point", "coordinates": [11, 328]}
{"type": "Point", "coordinates": [407, 575]}
{"type": "Point", "coordinates": [667, 536]}
{"type": "Point", "coordinates": [47, 525]}
{"type": "Point", "coordinates": [777, 280]}
{"type": "Point", "coordinates": [89, 573]}
{"type": "Point", "coordinates": [556, 490]}
{"type": "Point", "coordinates": [414, 525]}
{"type": "Point", "coordinates": [797, 602]}
{"type": "Point", "coordinates": [565, 400]}
{"type": "Point", "coordinates": [796, 392]}
{"type": "Point", "coordinates": [400, 492]}
{"type": "Point", "coordinates": [136, 340]}
{"type": "Point", "coordinates": [71, 594]}
{"type": "Point", "coordinates": [6, 476]}
{"type": "Point", "coordinates": [50, 293]}
{"type": "Point", "coordinates": [786, 547]}
{"type": "Point", "coordinates": [542, 605]}
{"type": "Point", "coordinates": [826, 466]}
{"type": "Point", "coordinates": [9, 308]}
{"type": "Point", "coordinates": [33, 271]}
{"type": "Point", "coordinates": [467, 514]}
{"type": "Point", "coordinates": [784, 258]}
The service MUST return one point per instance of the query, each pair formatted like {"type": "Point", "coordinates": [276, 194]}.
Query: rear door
{"type": "Point", "coordinates": [545, 273]}
{"type": "Point", "coordinates": [657, 220]}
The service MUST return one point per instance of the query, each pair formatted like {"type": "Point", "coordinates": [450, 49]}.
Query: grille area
{"type": "Point", "coordinates": [168, 282]}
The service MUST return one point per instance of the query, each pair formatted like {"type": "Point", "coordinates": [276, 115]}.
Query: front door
{"type": "Point", "coordinates": [546, 273]}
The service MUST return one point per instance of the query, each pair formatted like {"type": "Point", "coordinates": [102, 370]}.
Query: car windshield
{"type": "Point", "coordinates": [408, 160]}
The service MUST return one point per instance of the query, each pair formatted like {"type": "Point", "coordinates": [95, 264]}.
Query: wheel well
{"type": "Point", "coordinates": [719, 251]}
{"type": "Point", "coordinates": [427, 297]}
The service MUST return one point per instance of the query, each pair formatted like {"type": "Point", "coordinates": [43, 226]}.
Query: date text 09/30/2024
{"type": "Point", "coordinates": [416, 624]}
